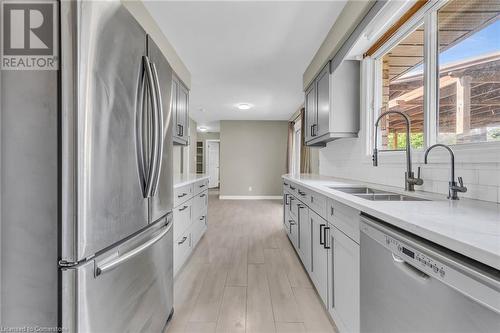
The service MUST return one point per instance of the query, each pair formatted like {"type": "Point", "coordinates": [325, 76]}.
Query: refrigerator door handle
{"type": "Point", "coordinates": [106, 267]}
{"type": "Point", "coordinates": [139, 129]}
{"type": "Point", "coordinates": [159, 110]}
{"type": "Point", "coordinates": [154, 104]}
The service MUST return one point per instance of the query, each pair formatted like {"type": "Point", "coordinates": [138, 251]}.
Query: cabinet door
{"type": "Point", "coordinates": [175, 106]}
{"type": "Point", "coordinates": [310, 112]}
{"type": "Point", "coordinates": [319, 267]}
{"type": "Point", "coordinates": [344, 281]}
{"type": "Point", "coordinates": [323, 101]}
{"type": "Point", "coordinates": [304, 241]}
{"type": "Point", "coordinates": [182, 115]}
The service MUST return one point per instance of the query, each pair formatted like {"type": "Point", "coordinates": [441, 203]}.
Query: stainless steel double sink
{"type": "Point", "coordinates": [374, 194]}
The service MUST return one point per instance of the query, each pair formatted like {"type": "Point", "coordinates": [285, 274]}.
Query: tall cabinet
{"type": "Point", "coordinates": [180, 112]}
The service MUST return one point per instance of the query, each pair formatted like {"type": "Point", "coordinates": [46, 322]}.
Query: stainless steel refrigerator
{"type": "Point", "coordinates": [86, 170]}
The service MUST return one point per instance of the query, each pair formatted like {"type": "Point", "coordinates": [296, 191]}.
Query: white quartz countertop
{"type": "Point", "coordinates": [185, 179]}
{"type": "Point", "coordinates": [469, 227]}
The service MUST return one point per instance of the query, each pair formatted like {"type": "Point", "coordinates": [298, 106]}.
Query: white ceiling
{"type": "Point", "coordinates": [245, 52]}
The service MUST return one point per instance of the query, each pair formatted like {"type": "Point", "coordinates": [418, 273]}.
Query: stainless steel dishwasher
{"type": "Point", "coordinates": [408, 284]}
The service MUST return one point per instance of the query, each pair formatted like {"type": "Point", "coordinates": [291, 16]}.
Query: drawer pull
{"type": "Point", "coordinates": [182, 241]}
{"type": "Point", "coordinates": [292, 188]}
{"type": "Point", "coordinates": [286, 184]}
{"type": "Point", "coordinates": [202, 195]}
{"type": "Point", "coordinates": [302, 193]}
{"type": "Point", "coordinates": [183, 208]}
{"type": "Point", "coordinates": [182, 195]}
{"type": "Point", "coordinates": [203, 185]}
{"type": "Point", "coordinates": [202, 218]}
{"type": "Point", "coordinates": [331, 211]}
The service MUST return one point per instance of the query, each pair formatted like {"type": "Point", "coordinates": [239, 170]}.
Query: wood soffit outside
{"type": "Point", "coordinates": [392, 30]}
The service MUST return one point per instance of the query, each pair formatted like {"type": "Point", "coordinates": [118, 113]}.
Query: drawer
{"type": "Point", "coordinates": [198, 228]}
{"type": "Point", "coordinates": [292, 204]}
{"type": "Point", "coordinates": [293, 188]}
{"type": "Point", "coordinates": [182, 194]}
{"type": "Point", "coordinates": [286, 185]}
{"type": "Point", "coordinates": [182, 217]}
{"type": "Point", "coordinates": [302, 195]}
{"type": "Point", "coordinates": [344, 218]}
{"type": "Point", "coordinates": [182, 250]}
{"type": "Point", "coordinates": [200, 204]}
{"type": "Point", "coordinates": [317, 202]}
{"type": "Point", "coordinates": [200, 186]}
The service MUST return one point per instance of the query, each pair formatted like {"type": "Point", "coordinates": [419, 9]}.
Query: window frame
{"type": "Point", "coordinates": [427, 16]}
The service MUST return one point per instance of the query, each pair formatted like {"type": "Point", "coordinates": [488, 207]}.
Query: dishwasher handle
{"type": "Point", "coordinates": [409, 269]}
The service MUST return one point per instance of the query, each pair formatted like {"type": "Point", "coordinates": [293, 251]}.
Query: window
{"type": "Point", "coordinates": [469, 71]}
{"type": "Point", "coordinates": [440, 65]}
{"type": "Point", "coordinates": [403, 90]}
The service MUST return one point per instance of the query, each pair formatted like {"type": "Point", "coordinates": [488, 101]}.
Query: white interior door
{"type": "Point", "coordinates": [213, 163]}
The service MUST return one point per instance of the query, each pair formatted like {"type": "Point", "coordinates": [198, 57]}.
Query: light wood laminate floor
{"type": "Point", "coordinates": [244, 276]}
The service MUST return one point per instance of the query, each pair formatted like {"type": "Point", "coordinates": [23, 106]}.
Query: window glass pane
{"type": "Point", "coordinates": [469, 71]}
{"type": "Point", "coordinates": [403, 90]}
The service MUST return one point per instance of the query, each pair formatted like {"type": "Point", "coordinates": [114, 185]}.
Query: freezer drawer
{"type": "Point", "coordinates": [128, 288]}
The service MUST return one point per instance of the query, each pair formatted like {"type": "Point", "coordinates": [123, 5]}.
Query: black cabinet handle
{"type": "Point", "coordinates": [183, 208]}
{"type": "Point", "coordinates": [202, 185]}
{"type": "Point", "coordinates": [331, 210]}
{"type": "Point", "coordinates": [325, 245]}
{"type": "Point", "coordinates": [302, 193]}
{"type": "Point", "coordinates": [321, 241]}
{"type": "Point", "coordinates": [313, 127]}
{"type": "Point", "coordinates": [292, 188]}
{"type": "Point", "coordinates": [182, 241]}
{"type": "Point", "coordinates": [181, 195]}
{"type": "Point", "coordinates": [202, 218]}
{"type": "Point", "coordinates": [202, 195]}
{"type": "Point", "coordinates": [286, 199]}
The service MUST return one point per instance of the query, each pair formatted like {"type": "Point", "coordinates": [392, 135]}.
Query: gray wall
{"type": "Point", "coordinates": [252, 153]}
{"type": "Point", "coordinates": [208, 136]}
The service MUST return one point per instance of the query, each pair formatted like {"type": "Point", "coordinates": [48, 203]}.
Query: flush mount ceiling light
{"type": "Point", "coordinates": [244, 106]}
{"type": "Point", "coordinates": [202, 129]}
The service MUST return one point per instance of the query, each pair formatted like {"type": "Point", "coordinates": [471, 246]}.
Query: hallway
{"type": "Point", "coordinates": [245, 276]}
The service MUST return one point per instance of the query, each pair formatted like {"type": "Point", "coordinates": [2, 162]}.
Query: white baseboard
{"type": "Point", "coordinates": [250, 197]}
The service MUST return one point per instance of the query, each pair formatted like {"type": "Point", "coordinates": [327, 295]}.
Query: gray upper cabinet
{"type": "Point", "coordinates": [332, 104]}
{"type": "Point", "coordinates": [180, 112]}
{"type": "Point", "coordinates": [311, 114]}
{"type": "Point", "coordinates": [323, 101]}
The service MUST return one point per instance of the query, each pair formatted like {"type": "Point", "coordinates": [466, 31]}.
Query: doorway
{"type": "Point", "coordinates": [212, 162]}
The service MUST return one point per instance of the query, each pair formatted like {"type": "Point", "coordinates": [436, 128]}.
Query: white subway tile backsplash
{"type": "Point", "coordinates": [349, 161]}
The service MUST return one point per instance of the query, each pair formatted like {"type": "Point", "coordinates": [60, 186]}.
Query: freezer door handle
{"type": "Point", "coordinates": [154, 105]}
{"type": "Point", "coordinates": [159, 133]}
{"type": "Point", "coordinates": [107, 266]}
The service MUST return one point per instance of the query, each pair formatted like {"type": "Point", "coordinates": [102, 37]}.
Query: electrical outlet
{"type": "Point", "coordinates": [249, 188]}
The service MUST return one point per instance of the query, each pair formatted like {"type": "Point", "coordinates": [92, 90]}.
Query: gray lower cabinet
{"type": "Point", "coordinates": [319, 248]}
{"type": "Point", "coordinates": [180, 112]}
{"type": "Point", "coordinates": [343, 281]}
{"type": "Point", "coordinates": [332, 104]}
{"type": "Point", "coordinates": [190, 220]}
{"type": "Point", "coordinates": [325, 235]}
{"type": "Point", "coordinates": [304, 236]}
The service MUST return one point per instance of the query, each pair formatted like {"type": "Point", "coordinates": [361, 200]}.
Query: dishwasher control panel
{"type": "Point", "coordinates": [418, 259]}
